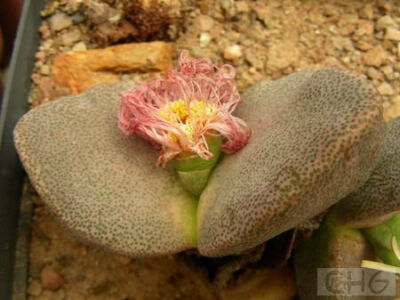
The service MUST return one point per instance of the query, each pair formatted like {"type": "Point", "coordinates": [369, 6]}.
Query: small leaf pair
{"type": "Point", "coordinates": [315, 137]}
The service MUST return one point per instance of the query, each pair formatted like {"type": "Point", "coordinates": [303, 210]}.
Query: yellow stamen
{"type": "Point", "coordinates": [187, 119]}
{"type": "Point", "coordinates": [174, 111]}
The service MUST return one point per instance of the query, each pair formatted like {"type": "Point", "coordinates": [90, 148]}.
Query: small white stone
{"type": "Point", "coordinates": [70, 37]}
{"type": "Point", "coordinates": [393, 111]}
{"type": "Point", "coordinates": [392, 34]}
{"type": "Point", "coordinates": [233, 52]}
{"type": "Point", "coordinates": [59, 21]}
{"type": "Point", "coordinates": [47, 44]}
{"type": "Point", "coordinates": [115, 18]}
{"type": "Point", "coordinates": [45, 70]}
{"type": "Point", "coordinates": [81, 46]}
{"type": "Point", "coordinates": [385, 89]}
{"type": "Point", "coordinates": [252, 70]}
{"type": "Point", "coordinates": [345, 59]}
{"type": "Point", "coordinates": [205, 39]}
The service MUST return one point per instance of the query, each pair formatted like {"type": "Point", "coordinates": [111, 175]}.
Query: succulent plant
{"type": "Point", "coordinates": [378, 199]}
{"type": "Point", "coordinates": [332, 246]}
{"type": "Point", "coordinates": [315, 138]}
{"type": "Point", "coordinates": [361, 228]}
{"type": "Point", "coordinates": [382, 237]}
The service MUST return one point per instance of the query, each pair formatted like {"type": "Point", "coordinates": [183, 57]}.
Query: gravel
{"type": "Point", "coordinates": [59, 21]}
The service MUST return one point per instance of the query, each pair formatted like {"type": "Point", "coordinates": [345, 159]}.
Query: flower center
{"type": "Point", "coordinates": [188, 115]}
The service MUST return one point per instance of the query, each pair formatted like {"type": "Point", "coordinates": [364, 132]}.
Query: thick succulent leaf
{"type": "Point", "coordinates": [330, 247]}
{"type": "Point", "coordinates": [380, 237]}
{"type": "Point", "coordinates": [379, 198]}
{"type": "Point", "coordinates": [315, 137]}
{"type": "Point", "coordinates": [103, 186]}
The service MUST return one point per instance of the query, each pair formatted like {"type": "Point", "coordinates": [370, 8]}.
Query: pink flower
{"type": "Point", "coordinates": [176, 113]}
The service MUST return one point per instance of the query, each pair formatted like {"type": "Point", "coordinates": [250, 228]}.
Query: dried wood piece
{"type": "Point", "coordinates": [83, 69]}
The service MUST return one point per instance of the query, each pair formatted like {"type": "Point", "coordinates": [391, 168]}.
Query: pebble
{"type": "Point", "coordinates": [342, 43]}
{"type": "Point", "coordinates": [345, 59]}
{"type": "Point", "coordinates": [233, 52]}
{"type": "Point", "coordinates": [227, 7]}
{"type": "Point", "coordinates": [242, 7]}
{"type": "Point", "coordinates": [330, 10]}
{"type": "Point", "coordinates": [388, 71]}
{"type": "Point", "coordinates": [375, 57]}
{"type": "Point", "coordinates": [281, 56]}
{"type": "Point", "coordinates": [393, 111]}
{"type": "Point", "coordinates": [385, 22]}
{"type": "Point", "coordinates": [45, 31]}
{"type": "Point", "coordinates": [205, 39]}
{"type": "Point", "coordinates": [206, 23]}
{"type": "Point", "coordinates": [385, 89]}
{"type": "Point", "coordinates": [262, 13]}
{"type": "Point", "coordinates": [47, 44]}
{"type": "Point", "coordinates": [81, 46]}
{"type": "Point", "coordinates": [392, 34]}
{"type": "Point", "coordinates": [50, 9]}
{"type": "Point", "coordinates": [73, 5]}
{"type": "Point", "coordinates": [70, 37]}
{"type": "Point", "coordinates": [45, 70]}
{"type": "Point", "coordinates": [50, 279]}
{"type": "Point", "coordinates": [365, 28]}
{"type": "Point", "coordinates": [385, 5]}
{"type": "Point", "coordinates": [367, 12]}
{"type": "Point", "coordinates": [59, 21]}
{"type": "Point", "coordinates": [34, 288]}
{"type": "Point", "coordinates": [78, 18]}
{"type": "Point", "coordinates": [38, 64]}
{"type": "Point", "coordinates": [363, 45]}
{"type": "Point", "coordinates": [40, 55]}
{"type": "Point", "coordinates": [98, 12]}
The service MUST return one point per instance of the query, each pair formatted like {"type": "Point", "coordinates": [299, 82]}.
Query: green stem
{"type": "Point", "coordinates": [381, 236]}
{"type": "Point", "coordinates": [194, 170]}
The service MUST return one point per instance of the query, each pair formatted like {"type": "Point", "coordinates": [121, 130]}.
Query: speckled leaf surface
{"type": "Point", "coordinates": [330, 247]}
{"type": "Point", "coordinates": [315, 138]}
{"type": "Point", "coordinates": [101, 185]}
{"type": "Point", "coordinates": [379, 198]}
